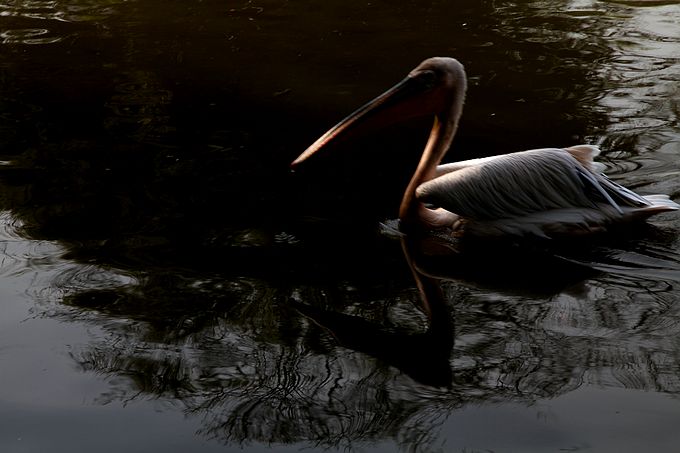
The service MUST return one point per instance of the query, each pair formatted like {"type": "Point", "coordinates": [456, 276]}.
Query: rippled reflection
{"type": "Point", "coordinates": [41, 22]}
{"type": "Point", "coordinates": [237, 354]}
{"type": "Point", "coordinates": [145, 193]}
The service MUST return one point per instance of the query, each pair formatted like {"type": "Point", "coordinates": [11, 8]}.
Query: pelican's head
{"type": "Point", "coordinates": [429, 89]}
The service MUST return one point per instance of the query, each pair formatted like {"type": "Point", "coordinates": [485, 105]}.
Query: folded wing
{"type": "Point", "coordinates": [535, 184]}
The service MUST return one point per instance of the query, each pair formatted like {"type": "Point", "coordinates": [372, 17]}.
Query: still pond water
{"type": "Point", "coordinates": [167, 284]}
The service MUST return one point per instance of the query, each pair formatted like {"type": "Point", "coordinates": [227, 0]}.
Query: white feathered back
{"type": "Point", "coordinates": [540, 191]}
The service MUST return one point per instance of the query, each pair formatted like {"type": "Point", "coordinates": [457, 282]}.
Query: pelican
{"type": "Point", "coordinates": [549, 192]}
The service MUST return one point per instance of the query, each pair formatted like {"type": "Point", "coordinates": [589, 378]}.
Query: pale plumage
{"type": "Point", "coordinates": [544, 192]}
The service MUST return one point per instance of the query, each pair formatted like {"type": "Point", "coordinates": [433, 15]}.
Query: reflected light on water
{"type": "Point", "coordinates": [50, 277]}
{"type": "Point", "coordinates": [641, 80]}
{"type": "Point", "coordinates": [27, 36]}
{"type": "Point", "coordinates": [39, 22]}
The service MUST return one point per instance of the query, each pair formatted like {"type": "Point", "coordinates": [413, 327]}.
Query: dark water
{"type": "Point", "coordinates": [157, 255]}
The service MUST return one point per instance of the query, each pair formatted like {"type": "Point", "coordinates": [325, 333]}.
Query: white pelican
{"type": "Point", "coordinates": [549, 192]}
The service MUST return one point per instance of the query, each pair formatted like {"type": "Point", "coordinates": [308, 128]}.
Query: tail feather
{"type": "Point", "coordinates": [658, 203]}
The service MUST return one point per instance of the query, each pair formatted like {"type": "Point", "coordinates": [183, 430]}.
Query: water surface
{"type": "Point", "coordinates": [167, 283]}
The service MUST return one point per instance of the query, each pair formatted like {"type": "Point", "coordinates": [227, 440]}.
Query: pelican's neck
{"type": "Point", "coordinates": [441, 136]}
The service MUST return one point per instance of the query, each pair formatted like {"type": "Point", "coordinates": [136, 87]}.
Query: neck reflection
{"type": "Point", "coordinates": [424, 356]}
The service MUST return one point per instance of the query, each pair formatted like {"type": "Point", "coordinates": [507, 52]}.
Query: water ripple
{"type": "Point", "coordinates": [46, 10]}
{"type": "Point", "coordinates": [641, 77]}
{"type": "Point", "coordinates": [28, 36]}
{"type": "Point", "coordinates": [47, 22]}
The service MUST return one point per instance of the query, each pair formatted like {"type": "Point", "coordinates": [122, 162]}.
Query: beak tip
{"type": "Point", "coordinates": [303, 157]}
{"type": "Point", "coordinates": [294, 164]}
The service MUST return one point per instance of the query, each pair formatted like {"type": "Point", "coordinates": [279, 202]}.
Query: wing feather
{"type": "Point", "coordinates": [524, 183]}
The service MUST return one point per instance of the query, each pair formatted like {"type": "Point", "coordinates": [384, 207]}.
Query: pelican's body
{"type": "Point", "coordinates": [544, 192]}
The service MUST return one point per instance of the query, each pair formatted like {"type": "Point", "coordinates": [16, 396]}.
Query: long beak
{"type": "Point", "coordinates": [388, 108]}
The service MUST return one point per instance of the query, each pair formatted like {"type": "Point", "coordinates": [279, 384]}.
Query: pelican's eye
{"type": "Point", "coordinates": [427, 79]}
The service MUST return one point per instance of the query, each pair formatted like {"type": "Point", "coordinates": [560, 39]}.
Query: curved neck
{"type": "Point", "coordinates": [441, 136]}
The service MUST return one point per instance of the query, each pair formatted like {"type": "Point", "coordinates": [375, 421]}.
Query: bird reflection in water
{"type": "Point", "coordinates": [424, 356]}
